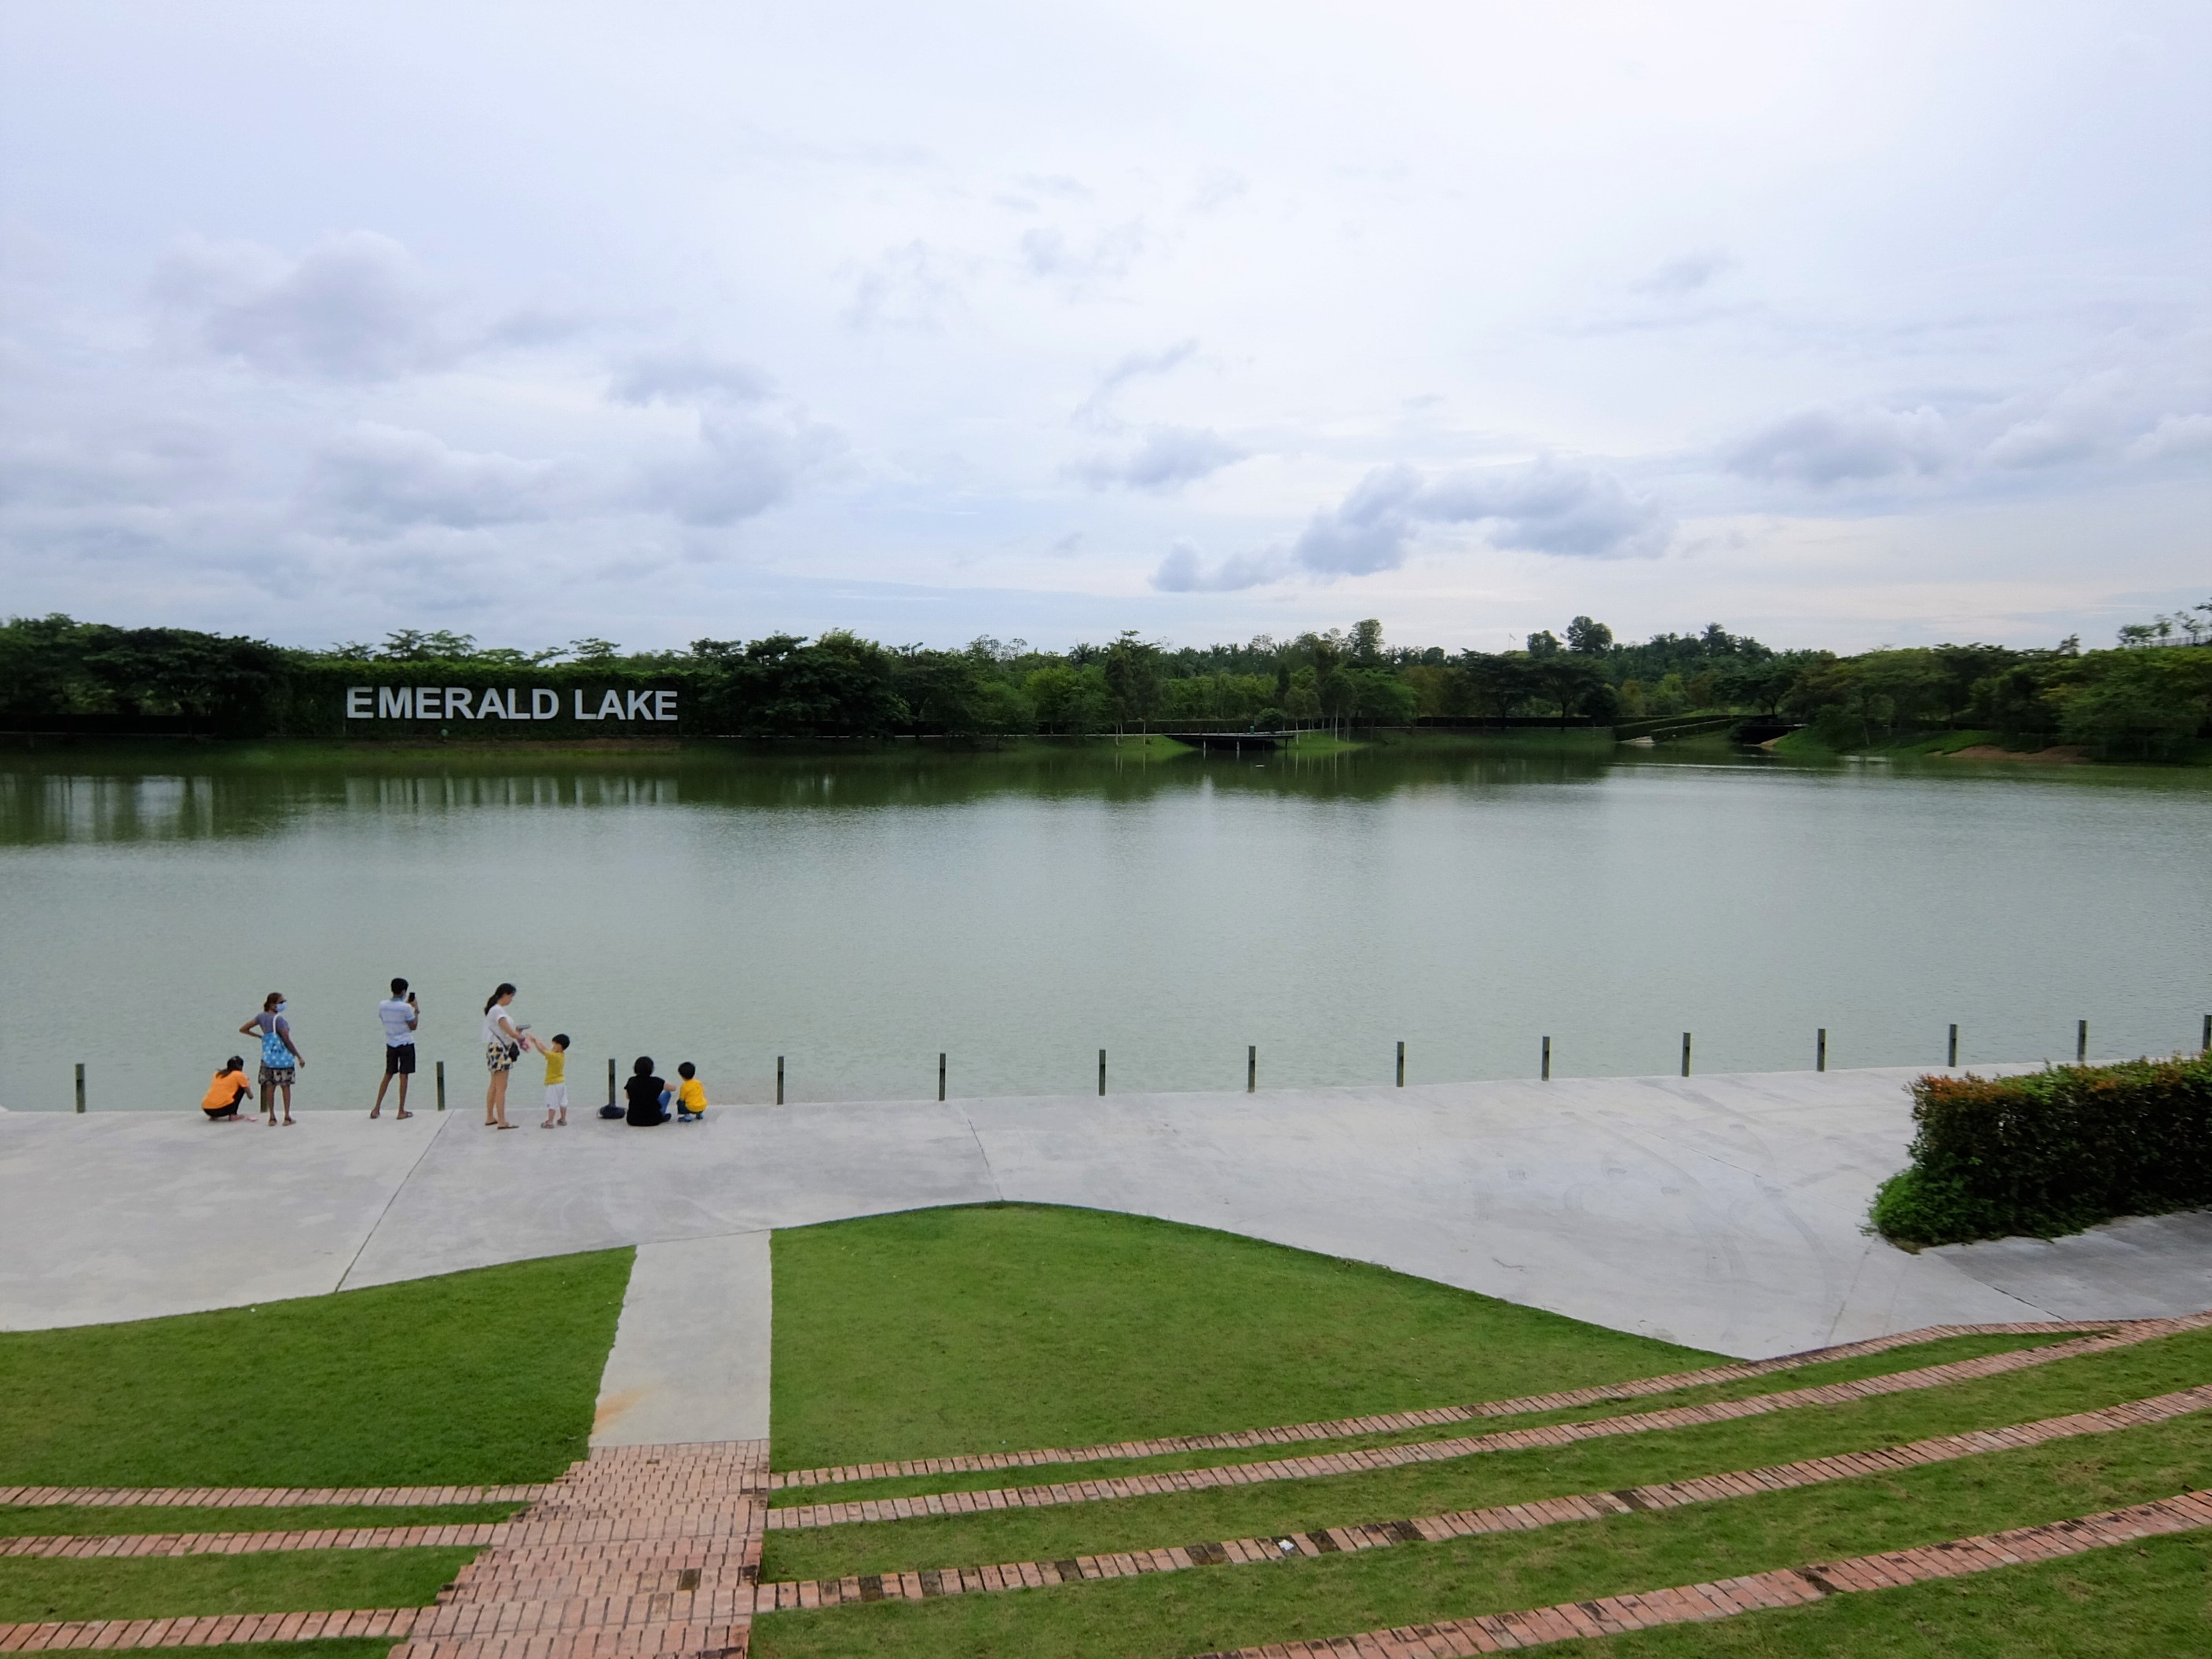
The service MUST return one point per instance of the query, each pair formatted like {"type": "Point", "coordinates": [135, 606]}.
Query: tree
{"type": "Point", "coordinates": [1133, 677]}
{"type": "Point", "coordinates": [1365, 644]}
{"type": "Point", "coordinates": [1587, 638]}
{"type": "Point", "coordinates": [1544, 643]}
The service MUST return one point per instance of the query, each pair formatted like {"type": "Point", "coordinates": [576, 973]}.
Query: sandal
{"type": "Point", "coordinates": [397, 1114]}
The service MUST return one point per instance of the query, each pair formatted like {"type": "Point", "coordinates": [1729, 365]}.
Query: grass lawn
{"type": "Point", "coordinates": [481, 1377]}
{"type": "Point", "coordinates": [292, 1581]}
{"type": "Point", "coordinates": [1193, 1612]}
{"type": "Point", "coordinates": [2146, 1602]}
{"type": "Point", "coordinates": [110, 1520]}
{"type": "Point", "coordinates": [1497, 1478]}
{"type": "Point", "coordinates": [1015, 1326]}
{"type": "Point", "coordinates": [1943, 1351]}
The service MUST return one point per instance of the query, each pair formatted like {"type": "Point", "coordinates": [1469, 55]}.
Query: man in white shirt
{"type": "Point", "coordinates": [399, 1014]}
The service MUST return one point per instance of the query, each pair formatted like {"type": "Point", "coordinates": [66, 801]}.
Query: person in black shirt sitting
{"type": "Point", "coordinates": [645, 1091]}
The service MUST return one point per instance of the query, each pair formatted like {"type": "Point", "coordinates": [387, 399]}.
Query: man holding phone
{"type": "Point", "coordinates": [400, 1014]}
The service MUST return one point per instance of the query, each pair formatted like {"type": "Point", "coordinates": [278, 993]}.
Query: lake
{"type": "Point", "coordinates": [858, 913]}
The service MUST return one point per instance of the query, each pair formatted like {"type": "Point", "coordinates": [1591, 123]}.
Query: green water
{"type": "Point", "coordinates": [858, 915]}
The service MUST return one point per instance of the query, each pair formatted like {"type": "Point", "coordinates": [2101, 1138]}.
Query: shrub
{"type": "Point", "coordinates": [2052, 1151]}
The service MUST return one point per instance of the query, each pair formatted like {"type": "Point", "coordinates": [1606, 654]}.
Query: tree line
{"type": "Point", "coordinates": [2146, 697]}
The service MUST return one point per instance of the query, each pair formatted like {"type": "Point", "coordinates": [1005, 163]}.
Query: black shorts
{"type": "Point", "coordinates": [399, 1059]}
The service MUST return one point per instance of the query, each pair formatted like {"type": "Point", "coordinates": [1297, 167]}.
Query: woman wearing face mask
{"type": "Point", "coordinates": [279, 1054]}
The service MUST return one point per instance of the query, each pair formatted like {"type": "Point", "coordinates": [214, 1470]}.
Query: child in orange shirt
{"type": "Point", "coordinates": [226, 1088]}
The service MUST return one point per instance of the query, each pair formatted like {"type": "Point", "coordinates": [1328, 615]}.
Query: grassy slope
{"type": "Point", "coordinates": [2110, 1604]}
{"type": "Point", "coordinates": [974, 1329]}
{"type": "Point", "coordinates": [1198, 1611]}
{"type": "Point", "coordinates": [31, 1591]}
{"type": "Point", "coordinates": [480, 1376]}
{"type": "Point", "coordinates": [109, 1520]}
{"type": "Point", "coordinates": [1494, 1477]}
{"type": "Point", "coordinates": [1943, 1351]}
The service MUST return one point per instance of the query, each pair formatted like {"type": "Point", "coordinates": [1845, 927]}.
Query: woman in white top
{"type": "Point", "coordinates": [504, 1041]}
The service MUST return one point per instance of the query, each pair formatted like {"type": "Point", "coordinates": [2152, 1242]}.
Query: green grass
{"type": "Point", "coordinates": [1496, 1478]}
{"type": "Point", "coordinates": [33, 1591]}
{"type": "Point", "coordinates": [1007, 1326]}
{"type": "Point", "coordinates": [112, 1519]}
{"type": "Point", "coordinates": [2148, 1601]}
{"type": "Point", "coordinates": [1194, 1612]}
{"type": "Point", "coordinates": [1943, 1351]}
{"type": "Point", "coordinates": [481, 1377]}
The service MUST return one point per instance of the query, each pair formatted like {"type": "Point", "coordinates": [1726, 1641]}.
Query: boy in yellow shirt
{"type": "Point", "coordinates": [556, 1079]}
{"type": "Point", "coordinates": [690, 1095]}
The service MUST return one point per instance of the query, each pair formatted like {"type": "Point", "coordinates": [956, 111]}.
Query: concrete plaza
{"type": "Point", "coordinates": [1724, 1212]}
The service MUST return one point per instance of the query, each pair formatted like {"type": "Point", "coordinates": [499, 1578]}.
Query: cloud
{"type": "Point", "coordinates": [2177, 435]}
{"type": "Point", "coordinates": [741, 466]}
{"type": "Point", "coordinates": [1685, 275]}
{"type": "Point", "coordinates": [1865, 444]}
{"type": "Point", "coordinates": [377, 481]}
{"type": "Point", "coordinates": [353, 307]}
{"type": "Point", "coordinates": [1167, 458]}
{"type": "Point", "coordinates": [1568, 511]}
{"type": "Point", "coordinates": [908, 287]}
{"type": "Point", "coordinates": [685, 377]}
{"type": "Point", "coordinates": [1050, 255]}
{"type": "Point", "coordinates": [1181, 572]}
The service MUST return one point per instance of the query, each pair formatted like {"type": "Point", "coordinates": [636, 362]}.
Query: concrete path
{"type": "Point", "coordinates": [1722, 1211]}
{"type": "Point", "coordinates": [690, 1356]}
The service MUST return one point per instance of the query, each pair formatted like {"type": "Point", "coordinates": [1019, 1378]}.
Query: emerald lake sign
{"type": "Point", "coordinates": [461, 702]}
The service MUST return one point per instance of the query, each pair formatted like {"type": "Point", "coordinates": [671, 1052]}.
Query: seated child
{"type": "Point", "coordinates": [556, 1079]}
{"type": "Point", "coordinates": [228, 1088]}
{"type": "Point", "coordinates": [648, 1096]}
{"type": "Point", "coordinates": [690, 1095]}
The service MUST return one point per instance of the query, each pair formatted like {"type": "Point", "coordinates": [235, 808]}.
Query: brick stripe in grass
{"type": "Point", "coordinates": [74, 1521]}
{"type": "Point", "coordinates": [37, 1591]}
{"type": "Point", "coordinates": [2088, 1383]}
{"type": "Point", "coordinates": [1557, 1434]}
{"type": "Point", "coordinates": [1181, 1613]}
{"type": "Point", "coordinates": [1732, 1598]}
{"type": "Point", "coordinates": [355, 1647]}
{"type": "Point", "coordinates": [117, 1546]}
{"type": "Point", "coordinates": [1843, 1361]}
{"type": "Point", "coordinates": [1468, 1523]}
{"type": "Point", "coordinates": [288, 1633]}
{"type": "Point", "coordinates": [1883, 1359]}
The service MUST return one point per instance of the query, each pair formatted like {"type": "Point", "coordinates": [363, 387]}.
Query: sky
{"type": "Point", "coordinates": [1841, 325]}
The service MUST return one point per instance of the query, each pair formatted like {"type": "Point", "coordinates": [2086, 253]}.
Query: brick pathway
{"type": "Point", "coordinates": [270, 1498]}
{"type": "Point", "coordinates": [639, 1551]}
{"type": "Point", "coordinates": [135, 1545]}
{"type": "Point", "coordinates": [207, 1630]}
{"type": "Point", "coordinates": [1171, 1481]}
{"type": "Point", "coordinates": [1399, 1422]}
{"type": "Point", "coordinates": [915, 1586]}
{"type": "Point", "coordinates": [1611, 1616]}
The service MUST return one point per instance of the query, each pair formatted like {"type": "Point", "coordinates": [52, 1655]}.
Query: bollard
{"type": "Point", "coordinates": [441, 1085]}
{"type": "Point", "coordinates": [611, 1082]}
{"type": "Point", "coordinates": [1546, 1073]}
{"type": "Point", "coordinates": [940, 1074]}
{"type": "Point", "coordinates": [1685, 1054]}
{"type": "Point", "coordinates": [1251, 1068]}
{"type": "Point", "coordinates": [1102, 1074]}
{"type": "Point", "coordinates": [1820, 1050]}
{"type": "Point", "coordinates": [1401, 1066]}
{"type": "Point", "coordinates": [778, 1079]}
{"type": "Point", "coordinates": [2206, 1044]}
{"type": "Point", "coordinates": [79, 1085]}
{"type": "Point", "coordinates": [1951, 1060]}
{"type": "Point", "coordinates": [2081, 1042]}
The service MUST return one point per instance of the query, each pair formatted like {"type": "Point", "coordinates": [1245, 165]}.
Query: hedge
{"type": "Point", "coordinates": [2051, 1151]}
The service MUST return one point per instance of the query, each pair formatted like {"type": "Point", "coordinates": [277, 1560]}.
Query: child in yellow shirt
{"type": "Point", "coordinates": [690, 1095]}
{"type": "Point", "coordinates": [556, 1079]}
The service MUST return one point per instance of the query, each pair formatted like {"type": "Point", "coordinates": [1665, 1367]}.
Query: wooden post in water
{"type": "Point", "coordinates": [611, 1080]}
{"type": "Point", "coordinates": [1251, 1068]}
{"type": "Point", "coordinates": [1951, 1060]}
{"type": "Point", "coordinates": [941, 1074]}
{"type": "Point", "coordinates": [1401, 1066]}
{"type": "Point", "coordinates": [1102, 1074]}
{"type": "Point", "coordinates": [2081, 1042]}
{"type": "Point", "coordinates": [1820, 1050]}
{"type": "Point", "coordinates": [1546, 1073]}
{"type": "Point", "coordinates": [1685, 1054]}
{"type": "Point", "coordinates": [79, 1085]}
{"type": "Point", "coordinates": [442, 1084]}
{"type": "Point", "coordinates": [2206, 1044]}
{"type": "Point", "coordinates": [778, 1079]}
